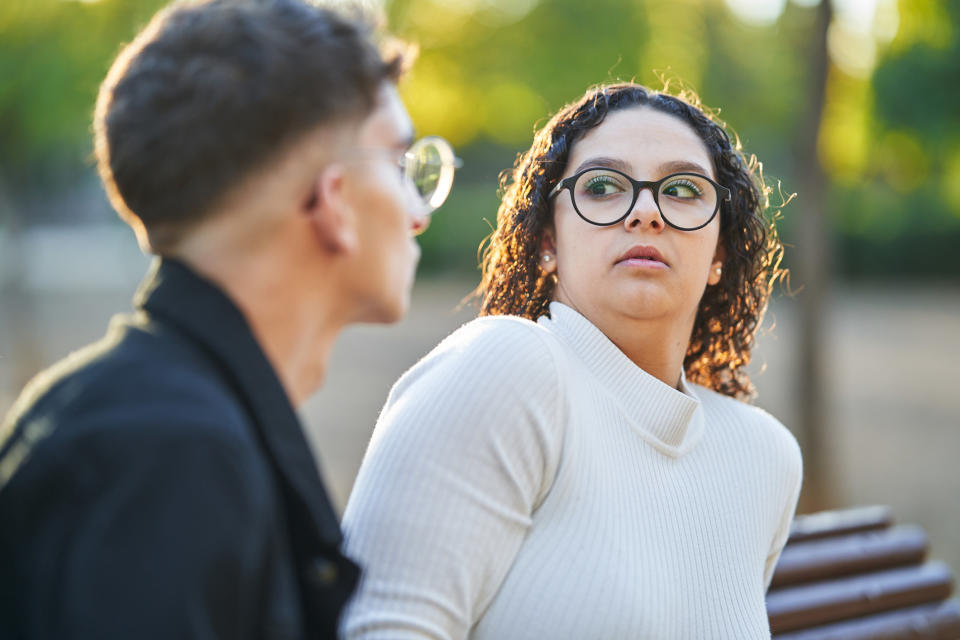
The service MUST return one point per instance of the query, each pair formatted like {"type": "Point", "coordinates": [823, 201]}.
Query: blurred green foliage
{"type": "Point", "coordinates": [53, 56]}
{"type": "Point", "coordinates": [489, 71]}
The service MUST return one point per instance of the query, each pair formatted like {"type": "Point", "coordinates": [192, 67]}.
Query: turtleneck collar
{"type": "Point", "coordinates": [670, 419]}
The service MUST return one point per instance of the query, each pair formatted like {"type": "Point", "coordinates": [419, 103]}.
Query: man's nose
{"type": "Point", "coordinates": [418, 210]}
{"type": "Point", "coordinates": [419, 214]}
{"type": "Point", "coordinates": [645, 212]}
{"type": "Point", "coordinates": [419, 222]}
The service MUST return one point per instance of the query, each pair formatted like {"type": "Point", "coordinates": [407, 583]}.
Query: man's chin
{"type": "Point", "coordinates": [395, 314]}
{"type": "Point", "coordinates": [392, 305]}
{"type": "Point", "coordinates": [388, 311]}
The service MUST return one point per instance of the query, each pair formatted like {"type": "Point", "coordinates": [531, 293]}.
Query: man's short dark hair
{"type": "Point", "coordinates": [212, 89]}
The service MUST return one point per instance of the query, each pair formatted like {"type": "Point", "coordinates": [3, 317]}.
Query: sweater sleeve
{"type": "Point", "coordinates": [464, 451]}
{"type": "Point", "coordinates": [793, 464]}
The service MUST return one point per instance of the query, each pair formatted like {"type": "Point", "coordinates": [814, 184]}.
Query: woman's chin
{"type": "Point", "coordinates": [644, 300]}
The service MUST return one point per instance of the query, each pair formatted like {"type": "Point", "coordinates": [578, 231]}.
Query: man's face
{"type": "Point", "coordinates": [388, 213]}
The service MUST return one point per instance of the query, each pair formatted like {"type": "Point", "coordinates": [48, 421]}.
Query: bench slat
{"type": "Point", "coordinates": [839, 522]}
{"type": "Point", "coordinates": [837, 556]}
{"type": "Point", "coordinates": [939, 621]}
{"type": "Point", "coordinates": [814, 603]}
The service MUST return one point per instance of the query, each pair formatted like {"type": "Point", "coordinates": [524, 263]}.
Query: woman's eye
{"type": "Point", "coordinates": [681, 189]}
{"type": "Point", "coordinates": [602, 186]}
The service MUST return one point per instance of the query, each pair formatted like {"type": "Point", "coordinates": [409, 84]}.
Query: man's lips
{"type": "Point", "coordinates": [643, 255]}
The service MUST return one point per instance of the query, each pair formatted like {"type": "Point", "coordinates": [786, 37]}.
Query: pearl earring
{"type": "Point", "coordinates": [719, 270]}
{"type": "Point", "coordinates": [547, 257]}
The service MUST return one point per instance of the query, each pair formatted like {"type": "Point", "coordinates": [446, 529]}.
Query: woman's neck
{"type": "Point", "coordinates": [656, 345]}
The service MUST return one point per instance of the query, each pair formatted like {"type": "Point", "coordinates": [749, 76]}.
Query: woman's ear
{"type": "Point", "coordinates": [331, 215]}
{"type": "Point", "coordinates": [716, 267]}
{"type": "Point", "coordinates": [548, 251]}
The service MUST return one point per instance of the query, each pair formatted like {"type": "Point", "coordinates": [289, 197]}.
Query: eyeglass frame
{"type": "Point", "coordinates": [449, 160]}
{"type": "Point", "coordinates": [723, 195]}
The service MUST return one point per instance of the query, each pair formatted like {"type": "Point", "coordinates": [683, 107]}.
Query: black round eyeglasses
{"type": "Point", "coordinates": [604, 197]}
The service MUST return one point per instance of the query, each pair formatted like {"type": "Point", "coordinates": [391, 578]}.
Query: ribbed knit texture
{"type": "Point", "coordinates": [527, 480]}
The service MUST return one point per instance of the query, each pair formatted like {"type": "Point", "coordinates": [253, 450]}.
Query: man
{"type": "Point", "coordinates": [158, 484]}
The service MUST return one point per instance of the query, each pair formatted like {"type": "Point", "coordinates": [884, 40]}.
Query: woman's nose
{"type": "Point", "coordinates": [645, 212]}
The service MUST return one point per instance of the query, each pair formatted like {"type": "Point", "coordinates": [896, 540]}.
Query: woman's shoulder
{"type": "Point", "coordinates": [502, 350]}
{"type": "Point", "coordinates": [502, 339]}
{"type": "Point", "coordinates": [498, 325]}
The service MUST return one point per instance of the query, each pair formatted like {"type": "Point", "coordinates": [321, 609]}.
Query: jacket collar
{"type": "Point", "coordinates": [175, 294]}
{"type": "Point", "coordinates": [670, 419]}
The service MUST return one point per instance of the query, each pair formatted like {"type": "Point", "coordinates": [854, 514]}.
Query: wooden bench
{"type": "Point", "coordinates": [852, 575]}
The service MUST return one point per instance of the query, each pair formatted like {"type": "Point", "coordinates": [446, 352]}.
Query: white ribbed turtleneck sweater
{"type": "Point", "coordinates": [527, 480]}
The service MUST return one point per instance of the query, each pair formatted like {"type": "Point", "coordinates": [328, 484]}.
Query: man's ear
{"type": "Point", "coordinates": [716, 267]}
{"type": "Point", "coordinates": [331, 215]}
{"type": "Point", "coordinates": [548, 250]}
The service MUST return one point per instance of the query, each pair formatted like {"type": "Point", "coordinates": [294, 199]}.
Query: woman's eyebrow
{"type": "Point", "coordinates": [603, 161]}
{"type": "Point", "coordinates": [675, 166]}
{"type": "Point", "coordinates": [672, 166]}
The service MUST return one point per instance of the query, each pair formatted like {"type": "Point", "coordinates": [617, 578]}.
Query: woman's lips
{"type": "Point", "coordinates": [643, 263]}
{"type": "Point", "coordinates": [643, 256]}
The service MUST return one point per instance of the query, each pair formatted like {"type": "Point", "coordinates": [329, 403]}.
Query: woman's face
{"type": "Point", "coordinates": [595, 273]}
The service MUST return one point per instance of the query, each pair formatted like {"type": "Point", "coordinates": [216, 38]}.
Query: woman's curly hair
{"type": "Point", "coordinates": [730, 311]}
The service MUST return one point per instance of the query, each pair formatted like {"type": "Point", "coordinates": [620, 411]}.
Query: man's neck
{"type": "Point", "coordinates": [287, 315]}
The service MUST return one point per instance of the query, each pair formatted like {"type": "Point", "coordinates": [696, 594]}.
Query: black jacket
{"type": "Point", "coordinates": [158, 484]}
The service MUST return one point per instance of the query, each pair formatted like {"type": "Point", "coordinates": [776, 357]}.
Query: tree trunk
{"type": "Point", "coordinates": [813, 250]}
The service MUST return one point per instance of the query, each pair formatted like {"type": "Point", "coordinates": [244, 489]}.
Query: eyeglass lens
{"type": "Point", "coordinates": [429, 164]}
{"type": "Point", "coordinates": [604, 197]}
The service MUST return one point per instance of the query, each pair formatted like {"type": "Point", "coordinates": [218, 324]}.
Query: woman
{"type": "Point", "coordinates": [577, 463]}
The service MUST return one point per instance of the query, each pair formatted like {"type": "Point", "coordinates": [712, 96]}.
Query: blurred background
{"type": "Point", "coordinates": [853, 105]}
